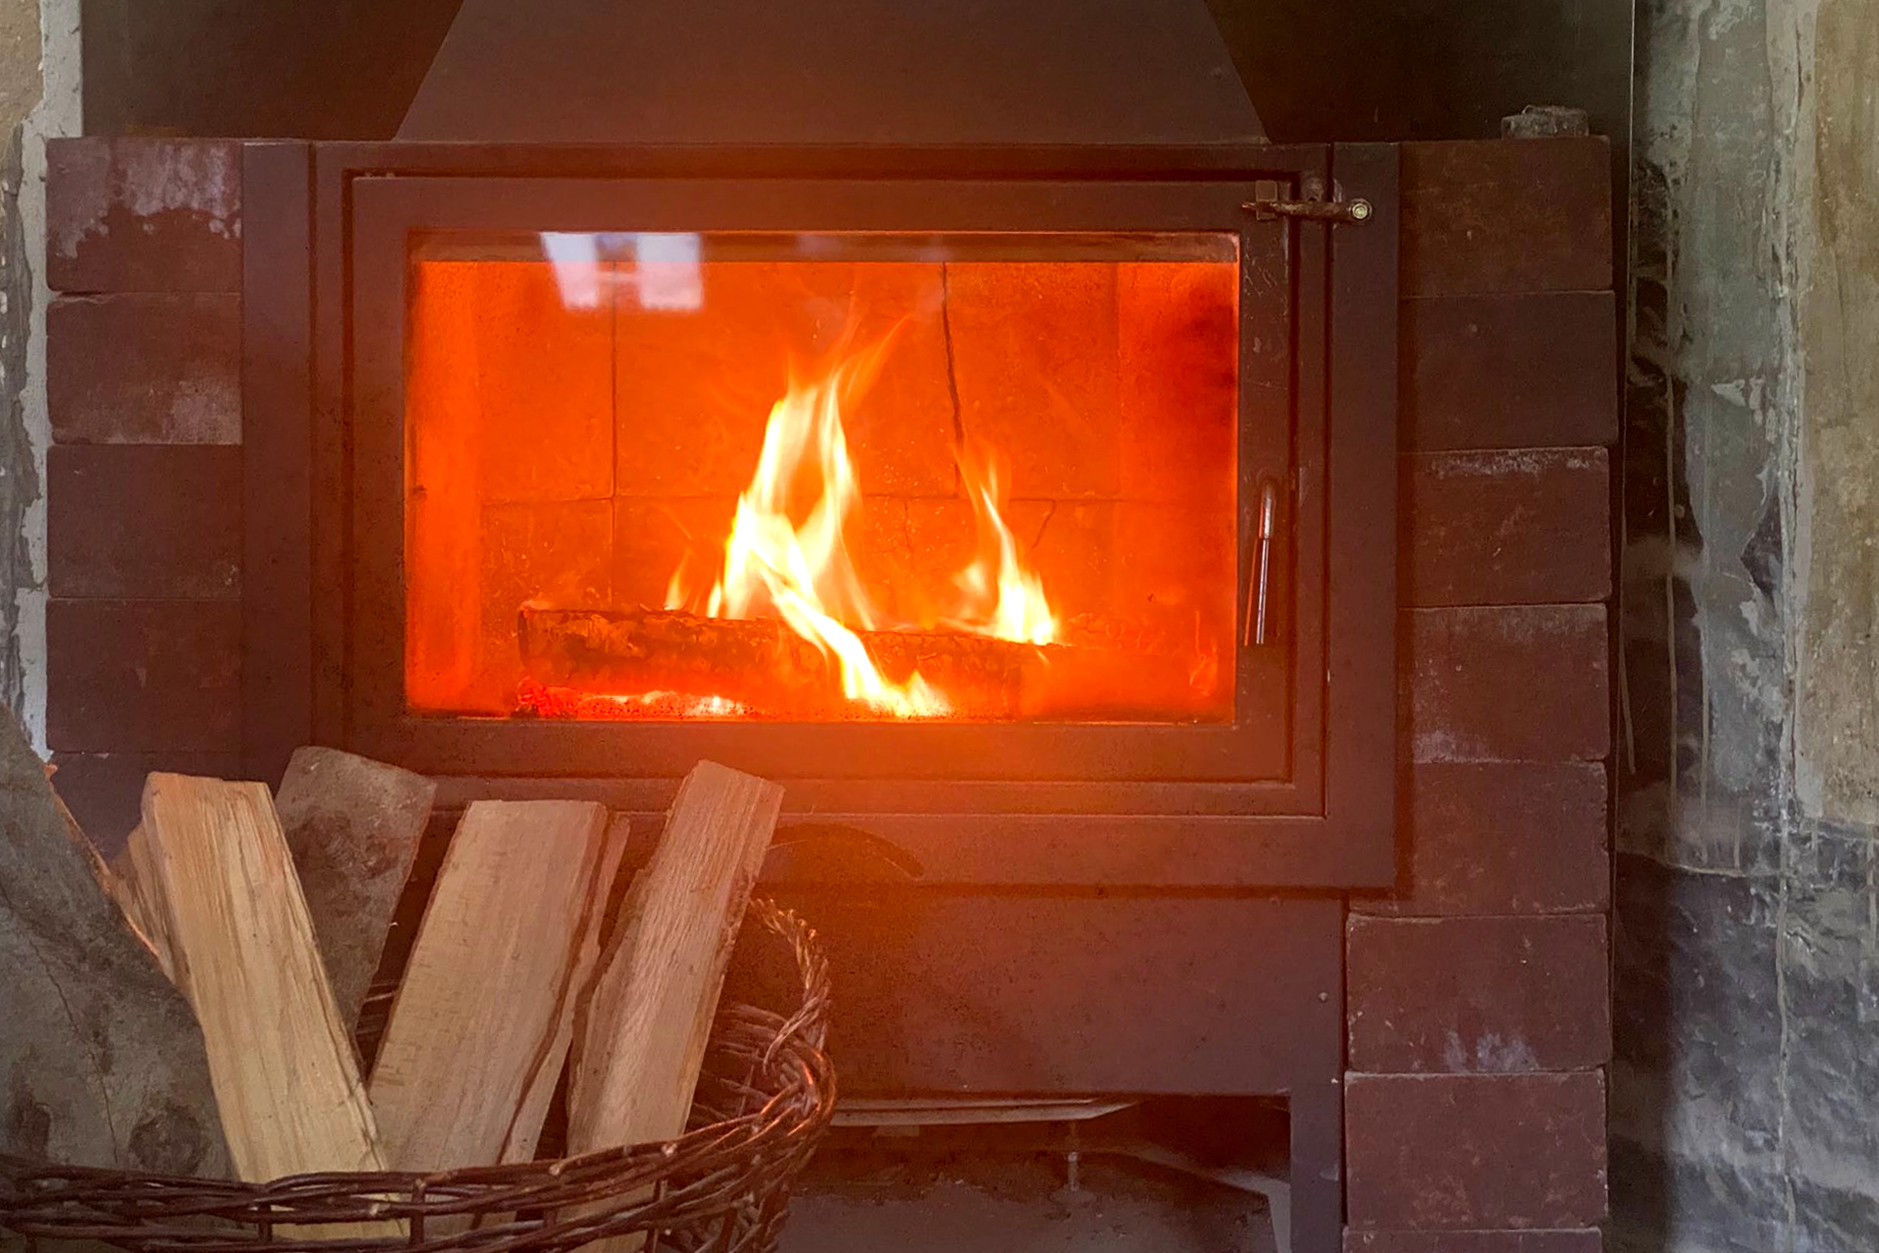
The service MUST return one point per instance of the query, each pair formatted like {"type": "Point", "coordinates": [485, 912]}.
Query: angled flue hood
{"type": "Point", "coordinates": [919, 72]}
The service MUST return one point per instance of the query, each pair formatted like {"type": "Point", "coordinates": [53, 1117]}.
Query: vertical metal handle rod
{"type": "Point", "coordinates": [1257, 586]}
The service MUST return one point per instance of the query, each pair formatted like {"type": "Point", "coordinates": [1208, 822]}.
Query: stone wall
{"type": "Point", "coordinates": [1747, 934]}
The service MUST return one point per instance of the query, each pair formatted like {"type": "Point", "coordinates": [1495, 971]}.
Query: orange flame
{"type": "Point", "coordinates": [1001, 595]}
{"type": "Point", "coordinates": [787, 554]}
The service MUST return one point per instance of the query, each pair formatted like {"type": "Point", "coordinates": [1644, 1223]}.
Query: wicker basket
{"type": "Point", "coordinates": [763, 1104]}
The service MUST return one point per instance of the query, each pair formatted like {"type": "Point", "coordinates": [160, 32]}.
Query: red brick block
{"type": "Point", "coordinates": [1519, 683]}
{"type": "Point", "coordinates": [1525, 371]}
{"type": "Point", "coordinates": [1474, 1152]}
{"type": "Point", "coordinates": [1568, 1240]}
{"type": "Point", "coordinates": [143, 676]}
{"type": "Point", "coordinates": [695, 390]}
{"type": "Point", "coordinates": [152, 215]}
{"type": "Point", "coordinates": [1477, 995]}
{"type": "Point", "coordinates": [1503, 838]}
{"type": "Point", "coordinates": [652, 538]}
{"type": "Point", "coordinates": [1496, 215]}
{"type": "Point", "coordinates": [144, 368]}
{"type": "Point", "coordinates": [525, 382]}
{"type": "Point", "coordinates": [1038, 366]}
{"type": "Point", "coordinates": [1178, 338]}
{"type": "Point", "coordinates": [559, 554]}
{"type": "Point", "coordinates": [144, 522]}
{"type": "Point", "coordinates": [1513, 527]}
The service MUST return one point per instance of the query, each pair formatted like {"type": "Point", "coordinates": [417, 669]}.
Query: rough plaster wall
{"type": "Point", "coordinates": [1837, 252]}
{"type": "Point", "coordinates": [20, 83]}
{"type": "Point", "coordinates": [39, 96]}
{"type": "Point", "coordinates": [1747, 934]}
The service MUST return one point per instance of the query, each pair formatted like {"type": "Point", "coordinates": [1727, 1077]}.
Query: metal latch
{"type": "Point", "coordinates": [1313, 204]}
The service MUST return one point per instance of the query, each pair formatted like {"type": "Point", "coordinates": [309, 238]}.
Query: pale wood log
{"type": "Point", "coordinates": [640, 1042]}
{"type": "Point", "coordinates": [478, 1031]}
{"type": "Point", "coordinates": [104, 1061]}
{"type": "Point", "coordinates": [134, 885]}
{"type": "Point", "coordinates": [216, 865]}
{"type": "Point", "coordinates": [353, 826]}
{"type": "Point", "coordinates": [525, 1134]}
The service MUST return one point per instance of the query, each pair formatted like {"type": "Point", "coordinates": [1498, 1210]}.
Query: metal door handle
{"type": "Point", "coordinates": [1257, 587]}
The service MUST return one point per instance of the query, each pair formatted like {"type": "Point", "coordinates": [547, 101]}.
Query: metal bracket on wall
{"type": "Point", "coordinates": [1312, 204]}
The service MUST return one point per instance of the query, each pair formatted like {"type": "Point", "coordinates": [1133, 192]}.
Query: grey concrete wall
{"type": "Point", "coordinates": [20, 91]}
{"type": "Point", "coordinates": [1748, 921]}
{"type": "Point", "coordinates": [39, 96]}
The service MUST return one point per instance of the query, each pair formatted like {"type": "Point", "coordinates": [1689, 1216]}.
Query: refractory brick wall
{"type": "Point", "coordinates": [1477, 993]}
{"type": "Point", "coordinates": [144, 473]}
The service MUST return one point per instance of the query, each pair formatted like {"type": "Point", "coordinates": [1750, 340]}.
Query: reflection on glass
{"type": "Point", "coordinates": [863, 477]}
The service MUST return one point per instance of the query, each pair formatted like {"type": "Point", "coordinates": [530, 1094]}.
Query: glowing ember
{"type": "Point", "coordinates": [787, 556]}
{"type": "Point", "coordinates": [653, 706]}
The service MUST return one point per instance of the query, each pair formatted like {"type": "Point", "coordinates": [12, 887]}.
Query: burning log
{"type": "Point", "coordinates": [761, 662]}
{"type": "Point", "coordinates": [769, 670]}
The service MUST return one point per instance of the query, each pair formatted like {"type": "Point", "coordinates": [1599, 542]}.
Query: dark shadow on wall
{"type": "Point", "coordinates": [297, 69]}
{"type": "Point", "coordinates": [1316, 69]}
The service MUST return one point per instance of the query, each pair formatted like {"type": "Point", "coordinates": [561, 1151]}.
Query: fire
{"type": "Point", "coordinates": [1002, 596]}
{"type": "Point", "coordinates": [787, 554]}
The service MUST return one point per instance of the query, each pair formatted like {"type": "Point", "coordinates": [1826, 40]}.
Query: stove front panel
{"type": "Point", "coordinates": [998, 505]}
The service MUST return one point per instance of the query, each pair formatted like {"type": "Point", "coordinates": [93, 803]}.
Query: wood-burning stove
{"type": "Point", "coordinates": [522, 448]}
{"type": "Point", "coordinates": [1005, 462]}
{"type": "Point", "coordinates": [1117, 852]}
{"type": "Point", "coordinates": [1102, 933]}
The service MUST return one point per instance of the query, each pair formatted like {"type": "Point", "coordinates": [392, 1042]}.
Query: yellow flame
{"type": "Point", "coordinates": [1001, 595]}
{"type": "Point", "coordinates": [787, 554]}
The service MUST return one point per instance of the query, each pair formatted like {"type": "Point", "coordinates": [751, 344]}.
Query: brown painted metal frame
{"type": "Point", "coordinates": [1101, 817]}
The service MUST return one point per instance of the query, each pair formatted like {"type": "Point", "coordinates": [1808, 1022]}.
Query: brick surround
{"type": "Point", "coordinates": [1478, 1016]}
{"type": "Point", "coordinates": [1478, 1025]}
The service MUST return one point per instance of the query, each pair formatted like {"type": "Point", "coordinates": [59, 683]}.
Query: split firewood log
{"type": "Point", "coordinates": [213, 864]}
{"type": "Point", "coordinates": [483, 1019]}
{"type": "Point", "coordinates": [767, 668]}
{"type": "Point", "coordinates": [640, 1037]}
{"type": "Point", "coordinates": [353, 826]}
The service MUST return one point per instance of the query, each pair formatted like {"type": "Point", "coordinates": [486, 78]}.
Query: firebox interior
{"type": "Point", "coordinates": [816, 477]}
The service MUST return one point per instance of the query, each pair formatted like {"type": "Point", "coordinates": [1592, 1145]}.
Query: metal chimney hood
{"type": "Point", "coordinates": [895, 72]}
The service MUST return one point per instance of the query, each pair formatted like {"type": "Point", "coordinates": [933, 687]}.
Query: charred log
{"type": "Point", "coordinates": [759, 662]}
{"type": "Point", "coordinates": [765, 666]}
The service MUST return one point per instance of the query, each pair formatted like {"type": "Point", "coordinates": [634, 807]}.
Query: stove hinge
{"type": "Point", "coordinates": [1314, 204]}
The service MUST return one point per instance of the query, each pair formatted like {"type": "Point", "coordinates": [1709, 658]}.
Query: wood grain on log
{"type": "Point", "coordinates": [640, 1039]}
{"type": "Point", "coordinates": [106, 1064]}
{"type": "Point", "coordinates": [483, 1020]}
{"type": "Point", "coordinates": [215, 862]}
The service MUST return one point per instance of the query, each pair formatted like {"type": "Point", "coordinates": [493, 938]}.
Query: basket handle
{"type": "Point", "coordinates": [811, 1016]}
